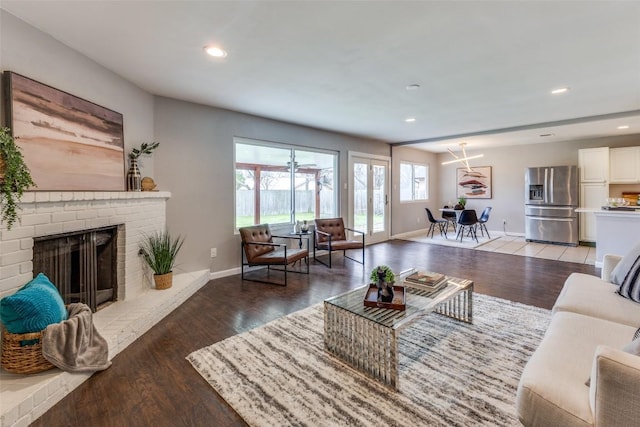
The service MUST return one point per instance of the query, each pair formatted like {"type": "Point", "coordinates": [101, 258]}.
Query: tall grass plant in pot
{"type": "Point", "coordinates": [160, 251]}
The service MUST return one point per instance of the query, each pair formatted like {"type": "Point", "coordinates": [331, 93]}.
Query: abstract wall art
{"type": "Point", "coordinates": [68, 143]}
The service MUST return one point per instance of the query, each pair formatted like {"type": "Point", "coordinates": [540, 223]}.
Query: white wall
{"type": "Point", "coordinates": [508, 165]}
{"type": "Point", "coordinates": [27, 51]}
{"type": "Point", "coordinates": [195, 158]}
{"type": "Point", "coordinates": [410, 216]}
{"type": "Point", "coordinates": [195, 162]}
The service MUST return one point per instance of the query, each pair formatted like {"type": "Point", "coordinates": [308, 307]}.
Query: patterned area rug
{"type": "Point", "coordinates": [451, 373]}
{"type": "Point", "coordinates": [437, 239]}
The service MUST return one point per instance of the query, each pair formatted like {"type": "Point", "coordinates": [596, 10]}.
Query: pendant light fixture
{"type": "Point", "coordinates": [464, 159]}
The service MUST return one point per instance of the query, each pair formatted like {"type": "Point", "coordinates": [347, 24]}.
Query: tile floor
{"type": "Point", "coordinates": [517, 245]}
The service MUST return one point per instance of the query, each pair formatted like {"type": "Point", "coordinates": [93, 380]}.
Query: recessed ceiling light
{"type": "Point", "coordinates": [410, 119]}
{"type": "Point", "coordinates": [560, 90]}
{"type": "Point", "coordinates": [413, 86]}
{"type": "Point", "coordinates": [215, 51]}
{"type": "Point", "coordinates": [623, 127]}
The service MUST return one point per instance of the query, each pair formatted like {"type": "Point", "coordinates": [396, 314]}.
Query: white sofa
{"type": "Point", "coordinates": [590, 325]}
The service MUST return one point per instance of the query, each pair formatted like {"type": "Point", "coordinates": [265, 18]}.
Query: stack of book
{"type": "Point", "coordinates": [425, 280]}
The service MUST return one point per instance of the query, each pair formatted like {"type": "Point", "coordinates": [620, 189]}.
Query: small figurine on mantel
{"type": "Point", "coordinates": [148, 184]}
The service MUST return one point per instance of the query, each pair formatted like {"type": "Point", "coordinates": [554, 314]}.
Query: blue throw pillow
{"type": "Point", "coordinates": [35, 305]}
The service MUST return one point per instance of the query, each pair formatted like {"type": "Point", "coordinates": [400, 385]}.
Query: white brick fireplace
{"type": "Point", "coordinates": [23, 398]}
{"type": "Point", "coordinates": [49, 213]}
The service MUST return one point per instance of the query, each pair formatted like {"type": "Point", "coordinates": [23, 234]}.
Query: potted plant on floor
{"type": "Point", "coordinates": [15, 177]}
{"type": "Point", "coordinates": [160, 250]}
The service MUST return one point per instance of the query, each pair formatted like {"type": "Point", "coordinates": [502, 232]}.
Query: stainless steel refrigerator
{"type": "Point", "coordinates": [551, 198]}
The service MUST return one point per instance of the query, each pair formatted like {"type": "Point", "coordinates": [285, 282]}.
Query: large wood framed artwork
{"type": "Point", "coordinates": [474, 184]}
{"type": "Point", "coordinates": [68, 143]}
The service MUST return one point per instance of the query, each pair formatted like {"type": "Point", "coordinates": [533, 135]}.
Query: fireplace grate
{"type": "Point", "coordinates": [82, 265]}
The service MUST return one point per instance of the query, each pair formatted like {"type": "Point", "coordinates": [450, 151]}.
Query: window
{"type": "Point", "coordinates": [413, 182]}
{"type": "Point", "coordinates": [280, 184]}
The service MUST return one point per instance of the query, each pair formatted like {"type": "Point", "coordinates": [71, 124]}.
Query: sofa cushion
{"type": "Point", "coordinates": [630, 285]}
{"type": "Point", "coordinates": [632, 348]}
{"type": "Point", "coordinates": [626, 263]}
{"type": "Point", "coordinates": [591, 296]}
{"type": "Point", "coordinates": [33, 307]}
{"type": "Point", "coordinates": [551, 390]}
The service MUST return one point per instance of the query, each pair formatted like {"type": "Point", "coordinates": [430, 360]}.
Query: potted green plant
{"type": "Point", "coordinates": [145, 149]}
{"type": "Point", "coordinates": [15, 177]}
{"type": "Point", "coordinates": [384, 278]}
{"type": "Point", "coordinates": [160, 250]}
{"type": "Point", "coordinates": [462, 201]}
{"type": "Point", "coordinates": [382, 272]}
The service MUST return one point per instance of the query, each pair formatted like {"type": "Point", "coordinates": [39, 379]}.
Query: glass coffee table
{"type": "Point", "coordinates": [366, 338]}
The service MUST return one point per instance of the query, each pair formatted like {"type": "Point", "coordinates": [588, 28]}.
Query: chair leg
{"type": "Point", "coordinates": [483, 228]}
{"type": "Point", "coordinates": [431, 229]}
{"type": "Point", "coordinates": [443, 228]}
{"type": "Point", "coordinates": [344, 254]}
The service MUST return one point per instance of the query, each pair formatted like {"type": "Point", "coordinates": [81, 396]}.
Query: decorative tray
{"type": "Point", "coordinates": [398, 303]}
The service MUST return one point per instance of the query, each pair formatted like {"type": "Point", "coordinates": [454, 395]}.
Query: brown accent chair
{"type": "Point", "coordinates": [259, 249]}
{"type": "Point", "coordinates": [330, 235]}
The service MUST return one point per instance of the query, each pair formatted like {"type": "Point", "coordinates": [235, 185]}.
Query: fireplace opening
{"type": "Point", "coordinates": [82, 265]}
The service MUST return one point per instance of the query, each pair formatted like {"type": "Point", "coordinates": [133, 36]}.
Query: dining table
{"type": "Point", "coordinates": [458, 212]}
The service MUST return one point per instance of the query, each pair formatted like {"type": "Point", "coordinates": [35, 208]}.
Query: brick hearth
{"type": "Point", "coordinates": [23, 398]}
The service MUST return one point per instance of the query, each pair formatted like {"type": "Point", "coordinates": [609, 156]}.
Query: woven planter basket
{"type": "Point", "coordinates": [163, 281]}
{"type": "Point", "coordinates": [23, 359]}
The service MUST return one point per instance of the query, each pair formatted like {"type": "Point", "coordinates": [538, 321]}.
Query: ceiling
{"type": "Point", "coordinates": [485, 68]}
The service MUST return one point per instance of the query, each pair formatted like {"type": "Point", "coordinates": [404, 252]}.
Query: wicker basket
{"type": "Point", "coordinates": [23, 359]}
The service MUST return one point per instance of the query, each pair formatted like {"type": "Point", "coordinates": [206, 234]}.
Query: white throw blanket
{"type": "Point", "coordinates": [75, 345]}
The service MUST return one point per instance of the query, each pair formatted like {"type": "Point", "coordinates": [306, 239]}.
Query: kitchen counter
{"type": "Point", "coordinates": [617, 231]}
{"type": "Point", "coordinates": [635, 210]}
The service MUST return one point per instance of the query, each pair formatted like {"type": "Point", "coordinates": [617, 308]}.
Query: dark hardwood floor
{"type": "Point", "coordinates": [151, 383]}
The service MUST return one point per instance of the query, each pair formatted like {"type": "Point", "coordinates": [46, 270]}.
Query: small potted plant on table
{"type": "Point", "coordinates": [160, 250]}
{"type": "Point", "coordinates": [462, 202]}
{"type": "Point", "coordinates": [384, 278]}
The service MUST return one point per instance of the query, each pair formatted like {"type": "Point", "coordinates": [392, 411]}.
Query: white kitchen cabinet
{"type": "Point", "coordinates": [592, 196]}
{"type": "Point", "coordinates": [624, 165]}
{"type": "Point", "coordinates": [594, 164]}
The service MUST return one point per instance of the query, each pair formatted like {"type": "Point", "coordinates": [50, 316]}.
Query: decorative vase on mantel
{"type": "Point", "coordinates": [134, 178]}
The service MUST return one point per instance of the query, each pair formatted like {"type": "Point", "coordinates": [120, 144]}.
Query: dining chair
{"type": "Point", "coordinates": [450, 217]}
{"type": "Point", "coordinates": [468, 221]}
{"type": "Point", "coordinates": [484, 217]}
{"type": "Point", "coordinates": [433, 222]}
